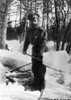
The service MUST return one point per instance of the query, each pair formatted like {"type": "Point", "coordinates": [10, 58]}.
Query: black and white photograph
{"type": "Point", "coordinates": [35, 49]}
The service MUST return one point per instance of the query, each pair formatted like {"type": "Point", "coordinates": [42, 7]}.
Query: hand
{"type": "Point", "coordinates": [24, 52]}
{"type": "Point", "coordinates": [46, 49]}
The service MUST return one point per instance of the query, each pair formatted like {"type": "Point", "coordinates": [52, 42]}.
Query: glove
{"type": "Point", "coordinates": [24, 52]}
{"type": "Point", "coordinates": [46, 49]}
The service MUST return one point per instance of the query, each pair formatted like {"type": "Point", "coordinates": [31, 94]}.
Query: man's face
{"type": "Point", "coordinates": [35, 21]}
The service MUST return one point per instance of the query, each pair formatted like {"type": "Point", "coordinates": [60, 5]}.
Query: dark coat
{"type": "Point", "coordinates": [37, 37]}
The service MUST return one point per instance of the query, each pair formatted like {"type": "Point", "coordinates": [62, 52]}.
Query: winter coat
{"type": "Point", "coordinates": [37, 37]}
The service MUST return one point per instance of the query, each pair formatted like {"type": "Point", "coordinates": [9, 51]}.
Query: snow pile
{"type": "Point", "coordinates": [14, 45]}
{"type": "Point", "coordinates": [14, 91]}
{"type": "Point", "coordinates": [58, 60]}
{"type": "Point", "coordinates": [57, 89]}
{"type": "Point", "coordinates": [14, 59]}
{"type": "Point", "coordinates": [17, 92]}
{"type": "Point", "coordinates": [50, 45]}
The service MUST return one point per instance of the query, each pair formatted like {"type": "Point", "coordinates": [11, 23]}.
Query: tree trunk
{"type": "Point", "coordinates": [3, 13]}
{"type": "Point", "coordinates": [57, 26]}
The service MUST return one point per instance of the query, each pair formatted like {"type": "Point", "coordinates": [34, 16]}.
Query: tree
{"type": "Point", "coordinates": [3, 13]}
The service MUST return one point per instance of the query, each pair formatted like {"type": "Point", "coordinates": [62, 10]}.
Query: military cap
{"type": "Point", "coordinates": [31, 16]}
{"type": "Point", "coordinates": [9, 22]}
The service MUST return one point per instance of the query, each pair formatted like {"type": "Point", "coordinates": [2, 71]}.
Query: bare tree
{"type": "Point", "coordinates": [3, 13]}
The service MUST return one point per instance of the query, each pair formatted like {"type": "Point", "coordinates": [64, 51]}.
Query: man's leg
{"type": "Point", "coordinates": [38, 70]}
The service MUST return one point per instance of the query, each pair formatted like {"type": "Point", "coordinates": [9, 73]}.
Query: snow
{"type": "Point", "coordinates": [16, 46]}
{"type": "Point", "coordinates": [56, 59]}
{"type": "Point", "coordinates": [56, 89]}
{"type": "Point", "coordinates": [58, 84]}
{"type": "Point", "coordinates": [14, 91]}
{"type": "Point", "coordinates": [2, 74]}
{"type": "Point", "coordinates": [50, 45]}
{"type": "Point", "coordinates": [17, 92]}
{"type": "Point", "coordinates": [14, 58]}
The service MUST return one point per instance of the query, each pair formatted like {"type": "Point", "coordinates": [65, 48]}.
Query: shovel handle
{"type": "Point", "coordinates": [20, 67]}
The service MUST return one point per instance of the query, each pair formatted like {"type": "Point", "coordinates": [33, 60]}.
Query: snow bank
{"type": "Point", "coordinates": [54, 89]}
{"type": "Point", "coordinates": [14, 58]}
{"type": "Point", "coordinates": [15, 45]}
{"type": "Point", "coordinates": [58, 60]}
{"type": "Point", "coordinates": [17, 92]}
{"type": "Point", "coordinates": [14, 91]}
{"type": "Point", "coordinates": [50, 45]}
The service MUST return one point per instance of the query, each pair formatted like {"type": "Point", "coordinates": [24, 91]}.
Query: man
{"type": "Point", "coordinates": [37, 37]}
{"type": "Point", "coordinates": [10, 30]}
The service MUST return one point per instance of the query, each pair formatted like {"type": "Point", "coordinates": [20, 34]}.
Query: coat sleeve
{"type": "Point", "coordinates": [26, 43]}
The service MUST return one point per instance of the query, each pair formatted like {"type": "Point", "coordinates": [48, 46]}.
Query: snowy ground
{"type": "Point", "coordinates": [58, 84]}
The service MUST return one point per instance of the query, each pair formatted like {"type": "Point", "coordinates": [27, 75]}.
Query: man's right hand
{"type": "Point", "coordinates": [24, 52]}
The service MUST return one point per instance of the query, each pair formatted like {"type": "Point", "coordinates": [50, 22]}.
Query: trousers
{"type": "Point", "coordinates": [38, 70]}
